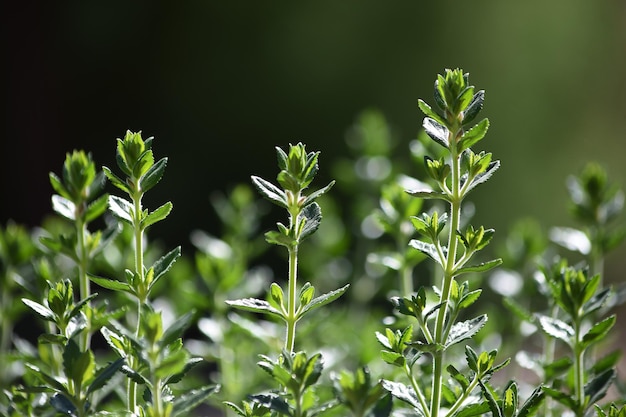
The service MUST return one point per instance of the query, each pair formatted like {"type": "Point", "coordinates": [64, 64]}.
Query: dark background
{"type": "Point", "coordinates": [219, 84]}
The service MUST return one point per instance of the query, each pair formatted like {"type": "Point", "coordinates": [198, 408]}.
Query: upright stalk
{"type": "Point", "coordinates": [456, 172]}
{"type": "Point", "coordinates": [548, 356]}
{"type": "Point", "coordinates": [83, 279]}
{"type": "Point", "coordinates": [131, 385]}
{"type": "Point", "coordinates": [291, 307]}
{"type": "Point", "coordinates": [448, 276]}
{"type": "Point", "coordinates": [579, 369]}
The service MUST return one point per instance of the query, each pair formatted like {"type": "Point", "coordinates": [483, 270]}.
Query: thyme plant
{"type": "Point", "coordinates": [154, 356]}
{"type": "Point", "coordinates": [436, 329]}
{"type": "Point", "coordinates": [435, 363]}
{"type": "Point", "coordinates": [295, 371]}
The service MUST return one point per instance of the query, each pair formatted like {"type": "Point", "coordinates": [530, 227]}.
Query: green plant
{"type": "Point", "coordinates": [294, 371]}
{"type": "Point", "coordinates": [455, 174]}
{"type": "Point", "coordinates": [439, 352]}
{"type": "Point", "coordinates": [153, 356]}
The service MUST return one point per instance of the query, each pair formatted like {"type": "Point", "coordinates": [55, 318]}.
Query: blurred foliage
{"type": "Point", "coordinates": [214, 78]}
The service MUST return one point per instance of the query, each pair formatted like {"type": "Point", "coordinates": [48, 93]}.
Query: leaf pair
{"type": "Point", "coordinates": [134, 285]}
{"type": "Point", "coordinates": [276, 306]}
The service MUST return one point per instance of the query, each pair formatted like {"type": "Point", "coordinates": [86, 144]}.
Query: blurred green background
{"type": "Point", "coordinates": [219, 84]}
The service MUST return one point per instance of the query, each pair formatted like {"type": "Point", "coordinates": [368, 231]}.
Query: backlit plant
{"type": "Point", "coordinates": [118, 350]}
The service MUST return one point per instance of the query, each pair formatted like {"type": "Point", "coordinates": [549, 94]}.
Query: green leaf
{"type": "Point", "coordinates": [471, 358]}
{"type": "Point", "coordinates": [437, 132]}
{"type": "Point", "coordinates": [254, 305]}
{"type": "Point", "coordinates": [104, 375]}
{"type": "Point", "coordinates": [312, 216]}
{"type": "Point", "coordinates": [469, 298]}
{"type": "Point", "coordinates": [598, 331]}
{"type": "Point", "coordinates": [78, 366]}
{"type": "Point", "coordinates": [157, 215]}
{"type": "Point", "coordinates": [532, 403]}
{"type": "Point", "coordinates": [324, 299]}
{"type": "Point", "coordinates": [64, 207]}
{"type": "Point", "coordinates": [482, 267]}
{"type": "Point", "coordinates": [270, 191]}
{"type": "Point", "coordinates": [63, 405]}
{"type": "Point", "coordinates": [402, 392]}
{"type": "Point", "coordinates": [278, 238]}
{"type": "Point", "coordinates": [176, 329]}
{"type": "Point", "coordinates": [43, 311]}
{"type": "Point", "coordinates": [556, 368]}
{"type": "Point", "coordinates": [277, 296]}
{"type": "Point", "coordinates": [428, 111]}
{"type": "Point", "coordinates": [607, 362]}
{"type": "Point", "coordinates": [153, 175]}
{"type": "Point", "coordinates": [465, 330]}
{"type": "Point", "coordinates": [191, 363]}
{"type": "Point", "coordinates": [428, 194]}
{"type": "Point", "coordinates": [493, 404]}
{"type": "Point", "coordinates": [121, 208]}
{"type": "Point", "coordinates": [484, 176]}
{"type": "Point", "coordinates": [115, 180]}
{"type": "Point", "coordinates": [458, 377]}
{"type": "Point", "coordinates": [598, 386]}
{"type": "Point", "coordinates": [392, 358]}
{"type": "Point", "coordinates": [473, 136]}
{"type": "Point", "coordinates": [556, 328]}
{"type": "Point", "coordinates": [448, 395]}
{"type": "Point", "coordinates": [172, 364]}
{"type": "Point", "coordinates": [54, 339]}
{"type": "Point", "coordinates": [134, 376]}
{"type": "Point", "coordinates": [163, 264]}
{"type": "Point", "coordinates": [509, 400]}
{"type": "Point", "coordinates": [428, 249]}
{"type": "Point", "coordinates": [186, 402]}
{"type": "Point", "coordinates": [49, 380]}
{"type": "Point", "coordinates": [474, 107]}
{"type": "Point", "coordinates": [473, 410]}
{"type": "Point", "coordinates": [561, 397]}
{"type": "Point", "coordinates": [111, 284]}
{"type": "Point", "coordinates": [96, 208]}
{"type": "Point", "coordinates": [596, 302]}
{"type": "Point", "coordinates": [517, 309]}
{"type": "Point", "coordinates": [385, 339]}
{"type": "Point", "coordinates": [78, 306]}
{"type": "Point", "coordinates": [306, 294]}
{"type": "Point", "coordinates": [314, 195]}
{"type": "Point", "coordinates": [57, 185]}
{"type": "Point", "coordinates": [273, 402]}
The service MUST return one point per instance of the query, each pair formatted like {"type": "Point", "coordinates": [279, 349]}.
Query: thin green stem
{"type": "Point", "coordinates": [406, 272]}
{"type": "Point", "coordinates": [420, 395]}
{"type": "Point", "coordinates": [579, 369]}
{"type": "Point", "coordinates": [448, 276]}
{"type": "Point", "coordinates": [463, 397]}
{"type": "Point", "coordinates": [132, 386]}
{"type": "Point", "coordinates": [291, 306]}
{"type": "Point", "coordinates": [85, 291]}
{"type": "Point", "coordinates": [548, 357]}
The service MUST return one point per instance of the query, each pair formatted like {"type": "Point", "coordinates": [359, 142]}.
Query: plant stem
{"type": "Point", "coordinates": [579, 370]}
{"type": "Point", "coordinates": [548, 357]}
{"type": "Point", "coordinates": [463, 397]}
{"type": "Point", "coordinates": [291, 307]}
{"type": "Point", "coordinates": [448, 276]}
{"type": "Point", "coordinates": [416, 388]}
{"type": "Point", "coordinates": [85, 291]}
{"type": "Point", "coordinates": [132, 386]}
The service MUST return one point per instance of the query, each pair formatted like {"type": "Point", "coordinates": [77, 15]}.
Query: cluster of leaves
{"type": "Point", "coordinates": [66, 370]}
{"type": "Point", "coordinates": [433, 360]}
